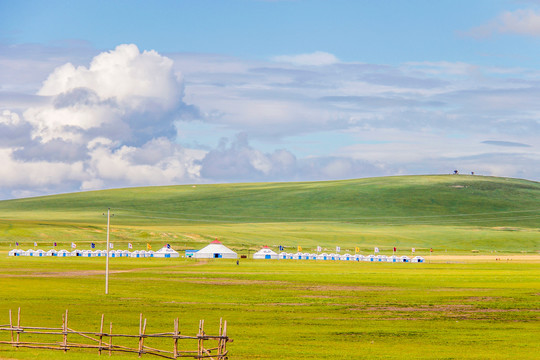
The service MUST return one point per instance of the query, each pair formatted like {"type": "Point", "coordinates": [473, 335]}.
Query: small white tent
{"type": "Point", "coordinates": [87, 253]}
{"type": "Point", "coordinates": [358, 257]}
{"type": "Point", "coordinates": [63, 253]}
{"type": "Point", "coordinates": [40, 252]}
{"type": "Point", "coordinates": [346, 257]}
{"type": "Point", "coordinates": [216, 250]}
{"type": "Point", "coordinates": [52, 252]}
{"type": "Point", "coordinates": [417, 259]}
{"type": "Point", "coordinates": [265, 253]}
{"type": "Point", "coordinates": [15, 252]}
{"type": "Point", "coordinates": [323, 256]}
{"type": "Point", "coordinates": [405, 259]}
{"type": "Point", "coordinates": [165, 252]}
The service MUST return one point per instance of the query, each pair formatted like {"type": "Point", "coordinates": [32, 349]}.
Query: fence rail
{"type": "Point", "coordinates": [103, 341]}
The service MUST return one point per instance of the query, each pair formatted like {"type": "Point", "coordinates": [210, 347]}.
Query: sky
{"type": "Point", "coordinates": [117, 93]}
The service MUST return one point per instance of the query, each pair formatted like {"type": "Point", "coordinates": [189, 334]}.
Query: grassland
{"type": "Point", "coordinates": [481, 308]}
{"type": "Point", "coordinates": [455, 214]}
{"type": "Point", "coordinates": [291, 309]}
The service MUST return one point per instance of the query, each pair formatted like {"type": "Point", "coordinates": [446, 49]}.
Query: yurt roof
{"type": "Point", "coordinates": [266, 251]}
{"type": "Point", "coordinates": [216, 247]}
{"type": "Point", "coordinates": [165, 250]}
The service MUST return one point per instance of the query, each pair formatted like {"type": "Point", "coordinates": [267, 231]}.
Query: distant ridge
{"type": "Point", "coordinates": [398, 200]}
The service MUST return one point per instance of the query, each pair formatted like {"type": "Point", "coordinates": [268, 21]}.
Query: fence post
{"type": "Point", "coordinates": [101, 334]}
{"type": "Point", "coordinates": [11, 327]}
{"type": "Point", "coordinates": [110, 339]}
{"type": "Point", "coordinates": [65, 326]}
{"type": "Point", "coordinates": [176, 338]}
{"type": "Point", "coordinates": [18, 326]}
{"type": "Point", "coordinates": [220, 345]}
{"type": "Point", "coordinates": [199, 344]}
{"type": "Point", "coordinates": [142, 330]}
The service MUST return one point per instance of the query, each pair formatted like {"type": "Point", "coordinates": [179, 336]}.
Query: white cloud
{"type": "Point", "coordinates": [109, 124]}
{"type": "Point", "coordinates": [317, 58]}
{"type": "Point", "coordinates": [113, 121]}
{"type": "Point", "coordinates": [520, 22]}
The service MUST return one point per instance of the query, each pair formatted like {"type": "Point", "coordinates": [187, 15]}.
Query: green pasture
{"type": "Point", "coordinates": [451, 214]}
{"type": "Point", "coordinates": [288, 309]}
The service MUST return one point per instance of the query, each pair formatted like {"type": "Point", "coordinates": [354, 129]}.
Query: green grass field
{"type": "Point", "coordinates": [290, 309]}
{"type": "Point", "coordinates": [455, 214]}
{"type": "Point", "coordinates": [478, 309]}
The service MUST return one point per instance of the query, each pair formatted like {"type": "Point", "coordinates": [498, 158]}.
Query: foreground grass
{"type": "Point", "coordinates": [291, 309]}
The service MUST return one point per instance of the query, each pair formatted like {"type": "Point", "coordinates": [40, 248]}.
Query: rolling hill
{"type": "Point", "coordinates": [454, 212]}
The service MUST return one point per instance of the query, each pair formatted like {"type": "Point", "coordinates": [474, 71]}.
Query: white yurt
{"type": "Point", "coordinates": [216, 250]}
{"type": "Point", "coordinates": [126, 253]}
{"type": "Point", "coordinates": [405, 259]}
{"type": "Point", "coordinates": [87, 253]}
{"type": "Point", "coordinates": [76, 253]}
{"type": "Point", "coordinates": [29, 252]}
{"type": "Point", "coordinates": [136, 254]}
{"type": "Point", "coordinates": [417, 259]}
{"type": "Point", "coordinates": [15, 252]}
{"type": "Point", "coordinates": [282, 256]}
{"type": "Point", "coordinates": [99, 253]}
{"type": "Point", "coordinates": [380, 258]}
{"type": "Point", "coordinates": [40, 252]}
{"type": "Point", "coordinates": [150, 253]}
{"type": "Point", "coordinates": [358, 257]}
{"type": "Point", "coordinates": [63, 253]}
{"type": "Point", "coordinates": [369, 258]}
{"type": "Point", "coordinates": [265, 253]}
{"type": "Point", "coordinates": [393, 258]}
{"type": "Point", "coordinates": [165, 252]}
{"type": "Point", "coordinates": [297, 256]}
{"type": "Point", "coordinates": [346, 257]}
{"type": "Point", "coordinates": [333, 256]}
{"type": "Point", "coordinates": [322, 256]}
{"type": "Point", "coordinates": [52, 252]}
{"type": "Point", "coordinates": [312, 256]}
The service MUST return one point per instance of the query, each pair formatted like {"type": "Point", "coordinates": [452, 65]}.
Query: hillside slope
{"type": "Point", "coordinates": [454, 212]}
{"type": "Point", "coordinates": [459, 199]}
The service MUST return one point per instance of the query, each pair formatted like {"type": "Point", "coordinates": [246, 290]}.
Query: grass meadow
{"type": "Point", "coordinates": [287, 309]}
{"type": "Point", "coordinates": [447, 308]}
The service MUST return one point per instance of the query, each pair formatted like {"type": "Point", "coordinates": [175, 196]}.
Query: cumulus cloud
{"type": "Point", "coordinates": [109, 124]}
{"type": "Point", "coordinates": [519, 22]}
{"type": "Point", "coordinates": [239, 161]}
{"type": "Point", "coordinates": [121, 119]}
{"type": "Point", "coordinates": [125, 94]}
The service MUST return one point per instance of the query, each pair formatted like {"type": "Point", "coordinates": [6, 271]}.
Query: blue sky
{"type": "Point", "coordinates": [100, 94]}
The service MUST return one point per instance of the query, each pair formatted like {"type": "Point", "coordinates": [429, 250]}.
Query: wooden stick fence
{"type": "Point", "coordinates": [97, 340]}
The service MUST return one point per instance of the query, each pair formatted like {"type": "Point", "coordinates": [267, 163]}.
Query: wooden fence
{"type": "Point", "coordinates": [103, 341]}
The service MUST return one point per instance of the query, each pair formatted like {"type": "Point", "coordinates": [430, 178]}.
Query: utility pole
{"type": "Point", "coordinates": [107, 258]}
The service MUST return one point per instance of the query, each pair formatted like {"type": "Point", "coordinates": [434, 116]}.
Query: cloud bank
{"type": "Point", "coordinates": [106, 125]}
{"type": "Point", "coordinates": [128, 117]}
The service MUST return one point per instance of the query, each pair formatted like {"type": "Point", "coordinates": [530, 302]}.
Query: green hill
{"type": "Point", "coordinates": [454, 212]}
